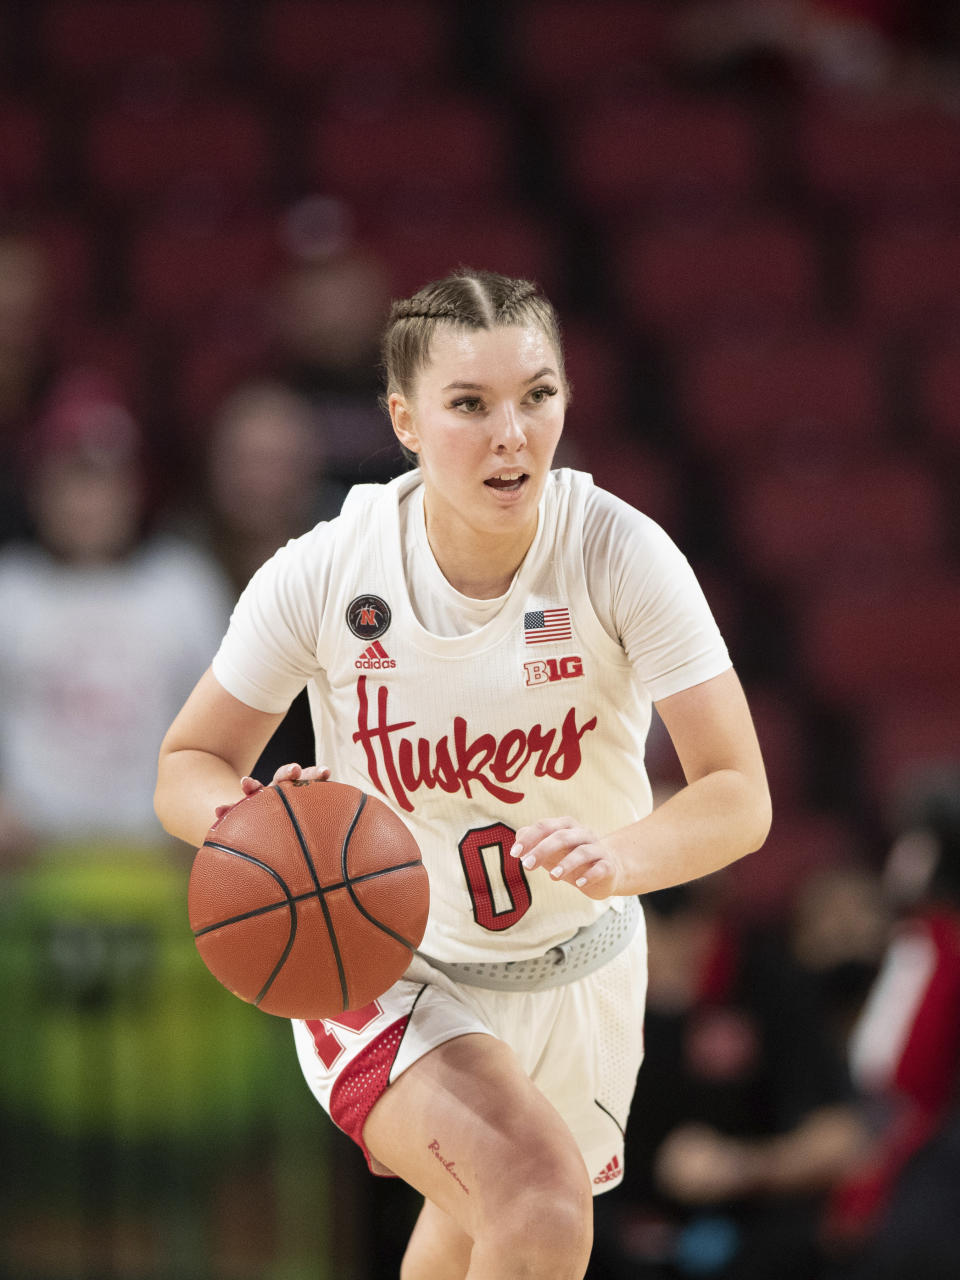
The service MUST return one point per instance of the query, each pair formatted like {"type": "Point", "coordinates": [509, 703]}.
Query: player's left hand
{"type": "Point", "coordinates": [570, 852]}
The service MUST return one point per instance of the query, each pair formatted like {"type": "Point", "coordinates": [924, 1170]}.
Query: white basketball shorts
{"type": "Point", "coordinates": [581, 1044]}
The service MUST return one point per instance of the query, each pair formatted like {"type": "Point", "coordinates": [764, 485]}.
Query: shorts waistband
{"type": "Point", "coordinates": [590, 948]}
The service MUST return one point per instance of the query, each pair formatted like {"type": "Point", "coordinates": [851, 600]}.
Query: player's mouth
{"type": "Point", "coordinates": [507, 481]}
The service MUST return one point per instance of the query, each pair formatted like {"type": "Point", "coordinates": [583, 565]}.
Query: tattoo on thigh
{"type": "Point", "coordinates": [449, 1165]}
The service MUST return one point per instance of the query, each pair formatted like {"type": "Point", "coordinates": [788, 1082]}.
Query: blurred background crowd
{"type": "Point", "coordinates": [748, 215]}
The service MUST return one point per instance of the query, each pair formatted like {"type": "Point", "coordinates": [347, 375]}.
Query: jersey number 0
{"type": "Point", "coordinates": [498, 883]}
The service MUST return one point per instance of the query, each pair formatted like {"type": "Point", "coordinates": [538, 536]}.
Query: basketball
{"type": "Point", "coordinates": [307, 899]}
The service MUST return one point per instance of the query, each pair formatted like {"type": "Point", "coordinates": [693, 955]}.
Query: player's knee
{"type": "Point", "coordinates": [547, 1230]}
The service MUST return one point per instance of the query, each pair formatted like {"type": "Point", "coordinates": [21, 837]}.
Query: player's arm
{"type": "Point", "coordinates": [206, 758]}
{"type": "Point", "coordinates": [721, 814]}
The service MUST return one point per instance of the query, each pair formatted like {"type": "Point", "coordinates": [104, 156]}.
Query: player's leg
{"type": "Point", "coordinates": [438, 1248]}
{"type": "Point", "coordinates": [467, 1128]}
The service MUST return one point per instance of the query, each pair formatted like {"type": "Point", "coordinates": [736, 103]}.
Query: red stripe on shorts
{"type": "Point", "coordinates": [362, 1081]}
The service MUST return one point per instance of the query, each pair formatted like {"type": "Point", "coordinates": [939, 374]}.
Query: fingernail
{"type": "Point", "coordinates": [516, 849]}
{"type": "Point", "coordinates": [528, 860]}
{"type": "Point", "coordinates": [581, 882]}
{"type": "Point", "coordinates": [557, 872]}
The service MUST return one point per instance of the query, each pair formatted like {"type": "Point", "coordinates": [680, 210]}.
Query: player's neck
{"type": "Point", "coordinates": [477, 564]}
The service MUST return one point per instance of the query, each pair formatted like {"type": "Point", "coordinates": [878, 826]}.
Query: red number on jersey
{"type": "Point", "coordinates": [515, 888]}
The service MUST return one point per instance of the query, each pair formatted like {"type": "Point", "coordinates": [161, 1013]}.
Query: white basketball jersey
{"type": "Point", "coordinates": [536, 714]}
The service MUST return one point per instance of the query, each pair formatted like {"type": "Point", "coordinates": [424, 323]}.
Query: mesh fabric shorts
{"type": "Point", "coordinates": [581, 1044]}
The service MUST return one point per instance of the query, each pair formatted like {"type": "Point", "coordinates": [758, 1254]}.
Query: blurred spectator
{"type": "Point", "coordinates": [905, 1057]}
{"type": "Point", "coordinates": [23, 361]}
{"type": "Point", "coordinates": [743, 1115]}
{"type": "Point", "coordinates": [839, 926]}
{"type": "Point", "coordinates": [266, 483]}
{"type": "Point", "coordinates": [265, 476]}
{"type": "Point", "coordinates": [90, 671]}
{"type": "Point", "coordinates": [330, 304]}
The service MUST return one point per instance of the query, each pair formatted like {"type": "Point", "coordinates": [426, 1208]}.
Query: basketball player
{"type": "Point", "coordinates": [482, 640]}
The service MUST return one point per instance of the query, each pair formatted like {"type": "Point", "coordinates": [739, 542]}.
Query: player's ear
{"type": "Point", "coordinates": [402, 420]}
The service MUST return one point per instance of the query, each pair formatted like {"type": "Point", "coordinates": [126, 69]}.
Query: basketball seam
{"type": "Point", "coordinates": [248, 857]}
{"type": "Point", "coordinates": [323, 905]}
{"type": "Point", "coordinates": [295, 897]}
{"type": "Point", "coordinates": [349, 883]}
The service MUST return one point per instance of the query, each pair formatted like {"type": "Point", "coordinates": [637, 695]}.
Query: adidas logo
{"type": "Point", "coordinates": [610, 1174]}
{"type": "Point", "coordinates": [374, 658]}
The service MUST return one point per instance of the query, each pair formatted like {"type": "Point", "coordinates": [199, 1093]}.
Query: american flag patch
{"type": "Point", "coordinates": [540, 626]}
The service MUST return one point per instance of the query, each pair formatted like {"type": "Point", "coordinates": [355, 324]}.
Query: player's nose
{"type": "Point", "coordinates": [508, 433]}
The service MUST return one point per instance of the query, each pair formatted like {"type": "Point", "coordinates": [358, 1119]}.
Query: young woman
{"type": "Point", "coordinates": [482, 640]}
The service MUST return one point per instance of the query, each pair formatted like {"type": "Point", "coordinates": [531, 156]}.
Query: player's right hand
{"type": "Point", "coordinates": [286, 773]}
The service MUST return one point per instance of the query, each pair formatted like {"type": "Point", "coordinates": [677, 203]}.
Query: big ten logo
{"type": "Point", "coordinates": [549, 670]}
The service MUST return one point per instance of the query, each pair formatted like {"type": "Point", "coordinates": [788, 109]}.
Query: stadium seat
{"type": "Point", "coordinates": [624, 157]}
{"type": "Point", "coordinates": [872, 153]}
{"type": "Point", "coordinates": [307, 41]}
{"type": "Point", "coordinates": [939, 395]}
{"type": "Point", "coordinates": [907, 738]}
{"type": "Point", "coordinates": [801, 526]}
{"type": "Point", "coordinates": [907, 274]}
{"type": "Point", "coordinates": [206, 151]}
{"type": "Point", "coordinates": [117, 352]}
{"type": "Point", "coordinates": [208, 370]}
{"type": "Point", "coordinates": [24, 144]}
{"type": "Point", "coordinates": [181, 273]}
{"type": "Point", "coordinates": [597, 373]}
{"type": "Point", "coordinates": [765, 397]}
{"type": "Point", "coordinates": [569, 50]}
{"type": "Point", "coordinates": [496, 239]}
{"type": "Point", "coordinates": [429, 152]}
{"type": "Point", "coordinates": [638, 475]}
{"type": "Point", "coordinates": [861, 647]}
{"type": "Point", "coordinates": [705, 274]}
{"type": "Point", "coordinates": [88, 39]}
{"type": "Point", "coordinates": [763, 886]}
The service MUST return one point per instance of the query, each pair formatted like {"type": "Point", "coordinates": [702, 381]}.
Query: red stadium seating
{"type": "Point", "coordinates": [24, 146]}
{"type": "Point", "coordinates": [787, 751]}
{"type": "Point", "coordinates": [598, 377]}
{"type": "Point", "coordinates": [763, 886]}
{"type": "Point", "coordinates": [205, 151]}
{"type": "Point", "coordinates": [801, 526]}
{"type": "Point", "coordinates": [183, 273]}
{"type": "Point", "coordinates": [939, 394]}
{"type": "Point", "coordinates": [765, 397]}
{"type": "Point", "coordinates": [862, 647]}
{"type": "Point", "coordinates": [584, 47]}
{"type": "Point", "coordinates": [425, 153]}
{"type": "Point", "coordinates": [647, 480]}
{"type": "Point", "coordinates": [704, 275]}
{"type": "Point", "coordinates": [906, 738]}
{"type": "Point", "coordinates": [68, 247]}
{"type": "Point", "coordinates": [871, 153]}
{"type": "Point", "coordinates": [208, 371]}
{"type": "Point", "coordinates": [496, 239]}
{"type": "Point", "coordinates": [117, 352]}
{"type": "Point", "coordinates": [624, 156]}
{"type": "Point", "coordinates": [308, 40]}
{"type": "Point", "coordinates": [87, 39]}
{"type": "Point", "coordinates": [908, 273]}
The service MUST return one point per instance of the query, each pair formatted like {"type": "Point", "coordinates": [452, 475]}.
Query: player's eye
{"type": "Point", "coordinates": [468, 404]}
{"type": "Point", "coordinates": [540, 395]}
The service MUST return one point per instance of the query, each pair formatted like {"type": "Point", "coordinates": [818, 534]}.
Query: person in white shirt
{"type": "Point", "coordinates": [482, 641]}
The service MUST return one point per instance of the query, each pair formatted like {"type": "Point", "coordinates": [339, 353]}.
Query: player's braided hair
{"type": "Point", "coordinates": [472, 299]}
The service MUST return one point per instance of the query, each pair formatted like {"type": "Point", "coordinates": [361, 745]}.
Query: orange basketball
{"type": "Point", "coordinates": [308, 899]}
